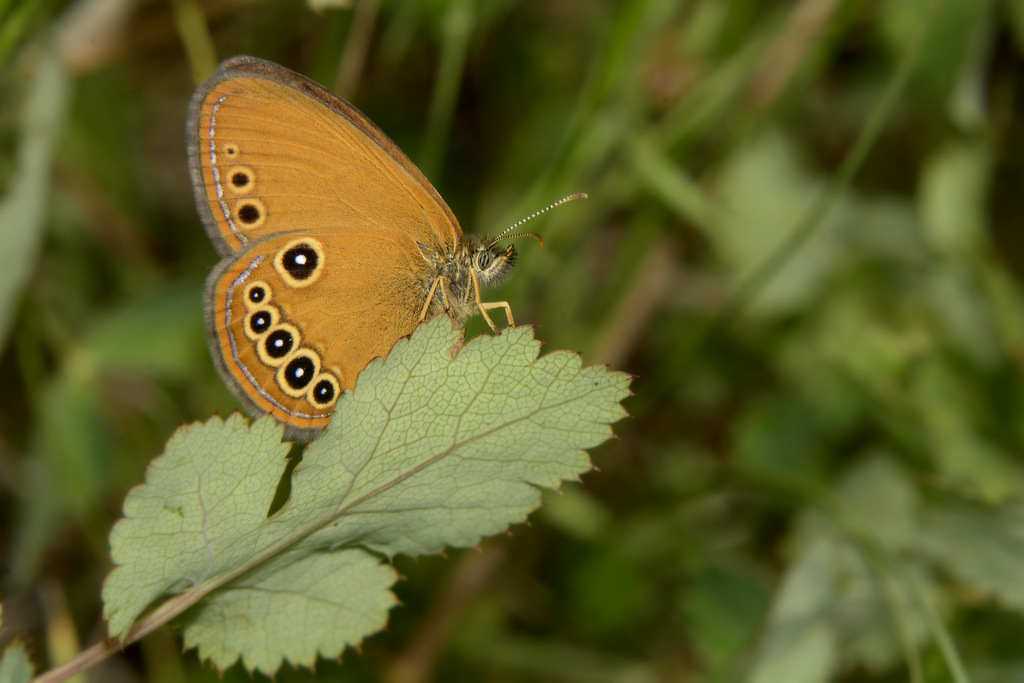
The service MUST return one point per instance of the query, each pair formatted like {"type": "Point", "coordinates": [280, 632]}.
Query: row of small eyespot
{"type": "Point", "coordinates": [278, 346]}
{"type": "Point", "coordinates": [241, 181]}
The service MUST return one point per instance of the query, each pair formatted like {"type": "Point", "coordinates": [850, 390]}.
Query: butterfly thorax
{"type": "Point", "coordinates": [453, 272]}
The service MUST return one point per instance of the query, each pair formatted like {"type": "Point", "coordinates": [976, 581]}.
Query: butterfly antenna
{"type": "Point", "coordinates": [503, 235]}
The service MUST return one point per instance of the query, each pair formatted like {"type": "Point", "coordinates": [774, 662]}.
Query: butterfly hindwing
{"type": "Point", "coordinates": [294, 318]}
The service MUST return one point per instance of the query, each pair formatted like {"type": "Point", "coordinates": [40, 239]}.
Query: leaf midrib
{"type": "Point", "coordinates": [285, 544]}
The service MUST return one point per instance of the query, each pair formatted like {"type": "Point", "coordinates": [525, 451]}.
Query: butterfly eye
{"type": "Point", "coordinates": [492, 268]}
{"type": "Point", "coordinates": [483, 259]}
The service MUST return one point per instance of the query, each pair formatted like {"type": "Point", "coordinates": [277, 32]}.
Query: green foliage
{"type": "Point", "coordinates": [14, 665]}
{"type": "Point", "coordinates": [22, 206]}
{"type": "Point", "coordinates": [803, 238]}
{"type": "Point", "coordinates": [429, 451]}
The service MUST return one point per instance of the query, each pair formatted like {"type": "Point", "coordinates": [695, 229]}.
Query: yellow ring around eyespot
{"type": "Point", "coordinates": [283, 384]}
{"type": "Point", "coordinates": [286, 274]}
{"type": "Point", "coordinates": [252, 334]}
{"type": "Point", "coordinates": [249, 213]}
{"type": "Point", "coordinates": [261, 345]}
{"type": "Point", "coordinates": [255, 305]}
{"type": "Point", "coordinates": [322, 376]}
{"type": "Point", "coordinates": [241, 180]}
{"type": "Point", "coordinates": [230, 150]}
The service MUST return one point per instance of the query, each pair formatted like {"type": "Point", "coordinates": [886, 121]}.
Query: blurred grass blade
{"type": "Point", "coordinates": [195, 36]}
{"type": "Point", "coordinates": [457, 29]}
{"type": "Point", "coordinates": [22, 210]}
{"type": "Point", "coordinates": [15, 23]}
{"type": "Point", "coordinates": [672, 184]}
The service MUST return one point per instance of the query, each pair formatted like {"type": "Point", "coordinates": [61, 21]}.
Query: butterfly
{"type": "Point", "coordinates": [333, 244]}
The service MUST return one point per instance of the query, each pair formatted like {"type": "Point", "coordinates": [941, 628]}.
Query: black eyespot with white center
{"type": "Point", "coordinates": [299, 372]}
{"type": "Point", "coordinates": [260, 322]}
{"type": "Point", "coordinates": [301, 262]}
{"type": "Point", "coordinates": [256, 295]}
{"type": "Point", "coordinates": [324, 392]}
{"type": "Point", "coordinates": [279, 343]}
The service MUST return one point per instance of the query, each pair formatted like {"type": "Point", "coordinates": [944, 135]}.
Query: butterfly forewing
{"type": "Point", "coordinates": [271, 151]}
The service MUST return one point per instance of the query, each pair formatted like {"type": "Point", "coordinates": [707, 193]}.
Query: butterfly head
{"type": "Point", "coordinates": [454, 278]}
{"type": "Point", "coordinates": [493, 263]}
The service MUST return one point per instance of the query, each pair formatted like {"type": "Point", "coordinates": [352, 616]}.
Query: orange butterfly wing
{"type": "Point", "coordinates": [368, 296]}
{"type": "Point", "coordinates": [270, 151]}
{"type": "Point", "coordinates": [276, 161]}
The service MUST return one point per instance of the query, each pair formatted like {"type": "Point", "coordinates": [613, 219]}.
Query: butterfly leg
{"type": "Point", "coordinates": [498, 304]}
{"type": "Point", "coordinates": [430, 297]}
{"type": "Point", "coordinates": [483, 307]}
{"type": "Point", "coordinates": [444, 295]}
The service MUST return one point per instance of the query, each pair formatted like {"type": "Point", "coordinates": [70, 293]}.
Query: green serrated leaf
{"type": "Point", "coordinates": [429, 451]}
{"type": "Point", "coordinates": [470, 439]}
{"type": "Point", "coordinates": [198, 515]}
{"type": "Point", "coordinates": [295, 605]}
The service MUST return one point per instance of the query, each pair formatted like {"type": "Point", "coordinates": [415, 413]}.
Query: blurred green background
{"type": "Point", "coordinates": [805, 237]}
